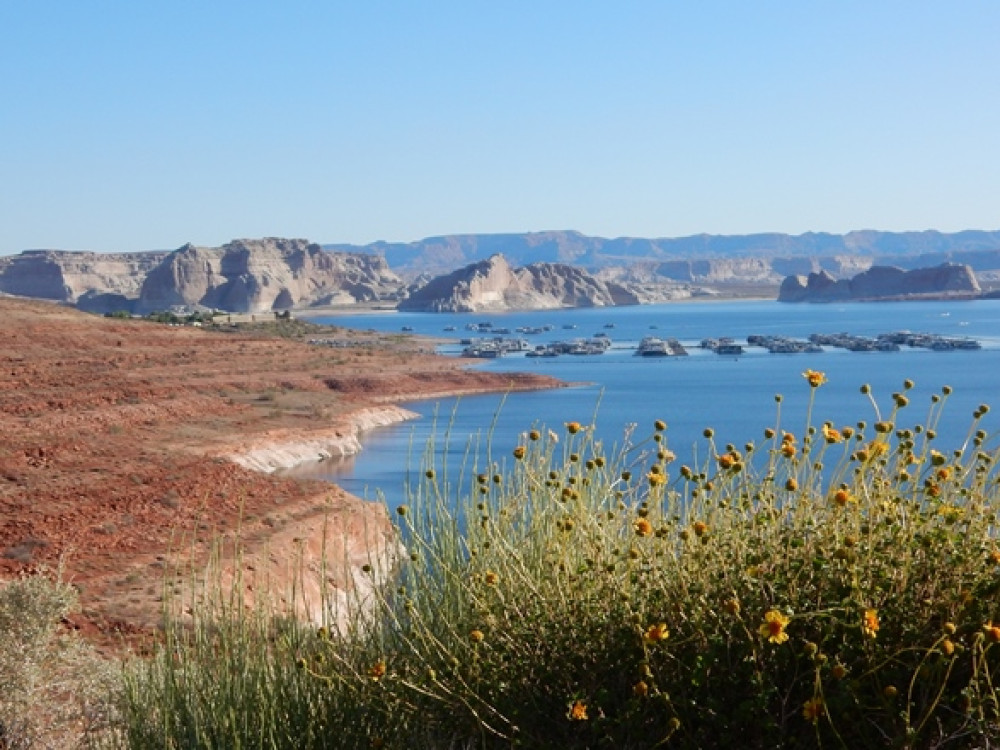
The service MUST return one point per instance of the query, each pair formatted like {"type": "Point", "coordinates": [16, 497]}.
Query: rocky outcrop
{"type": "Point", "coordinates": [493, 285]}
{"type": "Point", "coordinates": [263, 275]}
{"type": "Point", "coordinates": [882, 283]}
{"type": "Point", "coordinates": [242, 276]}
{"type": "Point", "coordinates": [89, 280]}
{"type": "Point", "coordinates": [816, 287]}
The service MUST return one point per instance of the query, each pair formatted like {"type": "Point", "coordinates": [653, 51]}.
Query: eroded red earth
{"type": "Point", "coordinates": [110, 430]}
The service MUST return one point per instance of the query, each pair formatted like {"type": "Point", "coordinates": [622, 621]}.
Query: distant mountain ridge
{"type": "Point", "coordinates": [538, 270]}
{"type": "Point", "coordinates": [437, 255]}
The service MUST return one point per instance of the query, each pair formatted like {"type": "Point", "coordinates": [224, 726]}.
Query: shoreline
{"type": "Point", "coordinates": [269, 455]}
{"type": "Point", "coordinates": [305, 313]}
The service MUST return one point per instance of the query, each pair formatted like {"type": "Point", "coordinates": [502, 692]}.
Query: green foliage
{"type": "Point", "coordinates": [165, 316]}
{"type": "Point", "coordinates": [835, 587]}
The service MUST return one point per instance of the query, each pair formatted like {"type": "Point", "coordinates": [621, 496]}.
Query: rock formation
{"type": "Point", "coordinates": [88, 280]}
{"type": "Point", "coordinates": [492, 285]}
{"type": "Point", "coordinates": [882, 283]}
{"type": "Point", "coordinates": [554, 269]}
{"type": "Point", "coordinates": [263, 275]}
{"type": "Point", "coordinates": [242, 276]}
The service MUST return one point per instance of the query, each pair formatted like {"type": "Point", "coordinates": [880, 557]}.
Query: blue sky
{"type": "Point", "coordinates": [134, 126]}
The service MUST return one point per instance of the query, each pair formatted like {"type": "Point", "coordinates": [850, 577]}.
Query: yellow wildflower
{"type": "Point", "coordinates": [640, 689]}
{"type": "Point", "coordinates": [699, 528]}
{"type": "Point", "coordinates": [656, 478]}
{"type": "Point", "coordinates": [815, 378]}
{"type": "Point", "coordinates": [574, 427]}
{"type": "Point", "coordinates": [773, 627]}
{"type": "Point", "coordinates": [869, 623]}
{"type": "Point", "coordinates": [519, 452]}
{"type": "Point", "coordinates": [377, 670]}
{"type": "Point", "coordinates": [950, 512]}
{"type": "Point", "coordinates": [657, 633]}
{"type": "Point", "coordinates": [842, 497]}
{"type": "Point", "coordinates": [577, 711]}
{"type": "Point", "coordinates": [992, 632]}
{"type": "Point", "coordinates": [876, 448]}
{"type": "Point", "coordinates": [476, 636]}
{"type": "Point", "coordinates": [832, 434]}
{"type": "Point", "coordinates": [491, 578]}
{"type": "Point", "coordinates": [643, 527]}
{"type": "Point", "coordinates": [788, 449]}
{"type": "Point", "coordinates": [813, 709]}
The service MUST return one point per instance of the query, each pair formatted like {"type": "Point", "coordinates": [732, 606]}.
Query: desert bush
{"type": "Point", "coordinates": [54, 690]}
{"type": "Point", "coordinates": [831, 586]}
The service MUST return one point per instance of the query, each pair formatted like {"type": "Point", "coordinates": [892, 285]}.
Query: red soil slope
{"type": "Point", "coordinates": [109, 428]}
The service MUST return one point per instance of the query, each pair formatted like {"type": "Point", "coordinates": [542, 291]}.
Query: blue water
{"type": "Point", "coordinates": [734, 395]}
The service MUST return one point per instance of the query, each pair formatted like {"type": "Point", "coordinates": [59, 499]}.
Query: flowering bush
{"type": "Point", "coordinates": [834, 586]}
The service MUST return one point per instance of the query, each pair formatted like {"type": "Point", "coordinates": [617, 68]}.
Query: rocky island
{"type": "Point", "coordinates": [948, 280]}
{"type": "Point", "coordinates": [493, 285]}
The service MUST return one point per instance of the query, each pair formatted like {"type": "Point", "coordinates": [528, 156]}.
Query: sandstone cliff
{"type": "Point", "coordinates": [242, 276]}
{"type": "Point", "coordinates": [89, 280]}
{"type": "Point", "coordinates": [493, 285]}
{"type": "Point", "coordinates": [882, 283]}
{"type": "Point", "coordinates": [263, 275]}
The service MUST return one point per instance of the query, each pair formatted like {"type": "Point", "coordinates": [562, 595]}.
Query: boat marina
{"type": "Point", "coordinates": [653, 346]}
{"type": "Point", "coordinates": [498, 344]}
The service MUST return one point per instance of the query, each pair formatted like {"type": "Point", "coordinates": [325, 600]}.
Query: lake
{"type": "Point", "coordinates": [733, 394]}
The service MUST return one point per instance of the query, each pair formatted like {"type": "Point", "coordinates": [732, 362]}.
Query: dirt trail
{"type": "Point", "coordinates": [115, 432]}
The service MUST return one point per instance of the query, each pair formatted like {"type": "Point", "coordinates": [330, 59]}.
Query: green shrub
{"type": "Point", "coordinates": [833, 587]}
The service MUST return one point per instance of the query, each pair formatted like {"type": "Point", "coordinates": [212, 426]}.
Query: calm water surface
{"type": "Point", "coordinates": [734, 395]}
